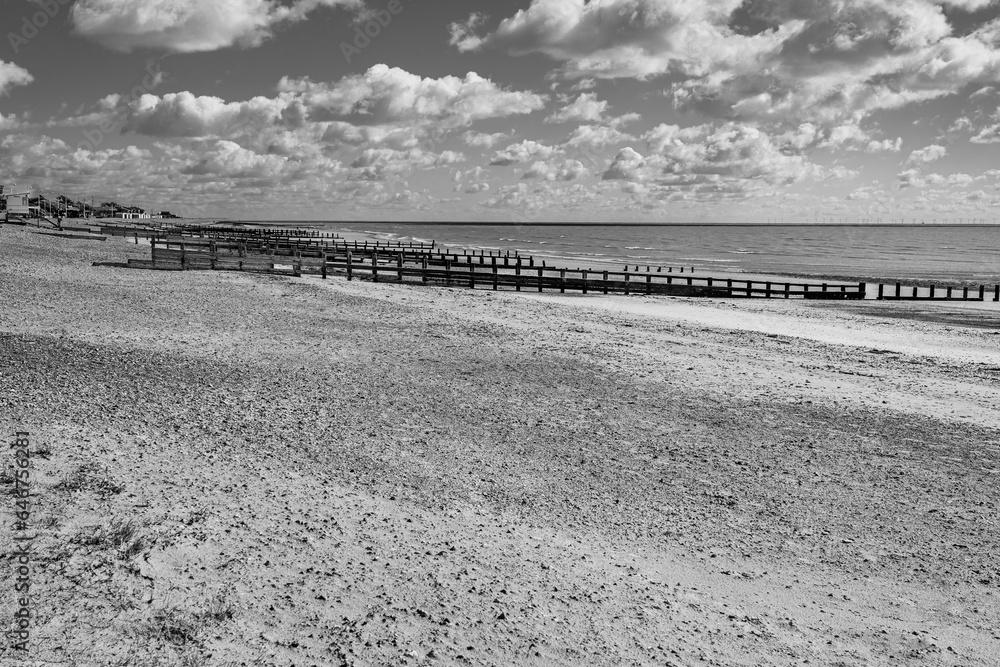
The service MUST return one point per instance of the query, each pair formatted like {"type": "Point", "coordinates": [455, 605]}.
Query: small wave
{"type": "Point", "coordinates": [707, 259]}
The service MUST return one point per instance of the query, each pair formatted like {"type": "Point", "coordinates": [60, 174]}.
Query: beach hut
{"type": "Point", "coordinates": [19, 204]}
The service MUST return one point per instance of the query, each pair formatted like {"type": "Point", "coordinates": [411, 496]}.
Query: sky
{"type": "Point", "coordinates": [510, 110]}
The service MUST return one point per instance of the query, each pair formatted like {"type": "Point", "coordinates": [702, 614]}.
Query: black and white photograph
{"type": "Point", "coordinates": [468, 333]}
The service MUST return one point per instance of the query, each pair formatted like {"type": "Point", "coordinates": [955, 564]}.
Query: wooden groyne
{"type": "Point", "coordinates": [935, 293]}
{"type": "Point", "coordinates": [299, 252]}
{"type": "Point", "coordinates": [475, 271]}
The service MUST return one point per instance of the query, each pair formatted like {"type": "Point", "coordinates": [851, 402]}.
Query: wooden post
{"type": "Point", "coordinates": [862, 289]}
{"type": "Point", "coordinates": [211, 250]}
{"type": "Point", "coordinates": [447, 272]}
{"type": "Point", "coordinates": [493, 267]}
{"type": "Point", "coordinates": [399, 267]}
{"type": "Point", "coordinates": [183, 256]}
{"type": "Point", "coordinates": [729, 287]}
{"type": "Point", "coordinates": [605, 282]}
{"type": "Point", "coordinates": [540, 278]}
{"type": "Point", "coordinates": [898, 290]}
{"type": "Point", "coordinates": [297, 264]}
{"type": "Point", "coordinates": [965, 294]}
{"type": "Point", "coordinates": [323, 266]}
{"type": "Point", "coordinates": [517, 275]}
{"type": "Point", "coordinates": [374, 265]}
{"type": "Point", "coordinates": [914, 291]}
{"type": "Point", "coordinates": [767, 290]}
{"type": "Point", "coordinates": [562, 281]}
{"type": "Point", "coordinates": [649, 282]}
{"type": "Point", "coordinates": [982, 292]}
{"type": "Point", "coordinates": [932, 291]}
{"type": "Point", "coordinates": [996, 293]}
{"type": "Point", "coordinates": [947, 293]}
{"type": "Point", "coordinates": [423, 275]}
{"type": "Point", "coordinates": [880, 291]}
{"type": "Point", "coordinates": [584, 275]}
{"type": "Point", "coordinates": [626, 280]}
{"type": "Point", "coordinates": [349, 274]}
{"type": "Point", "coordinates": [787, 288]}
{"type": "Point", "coordinates": [152, 246]}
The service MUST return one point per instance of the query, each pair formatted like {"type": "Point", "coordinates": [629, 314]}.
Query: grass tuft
{"type": "Point", "coordinates": [90, 477]}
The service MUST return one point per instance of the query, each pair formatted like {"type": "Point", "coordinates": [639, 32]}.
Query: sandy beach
{"type": "Point", "coordinates": [238, 469]}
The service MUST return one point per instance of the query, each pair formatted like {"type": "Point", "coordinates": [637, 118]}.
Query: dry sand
{"type": "Point", "coordinates": [259, 470]}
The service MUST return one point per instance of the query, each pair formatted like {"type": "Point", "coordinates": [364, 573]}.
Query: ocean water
{"type": "Point", "coordinates": [946, 253]}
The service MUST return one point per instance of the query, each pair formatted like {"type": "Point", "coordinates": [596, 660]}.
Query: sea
{"type": "Point", "coordinates": [945, 253]}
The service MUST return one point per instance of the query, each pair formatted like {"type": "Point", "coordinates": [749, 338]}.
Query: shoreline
{"type": "Point", "coordinates": [374, 473]}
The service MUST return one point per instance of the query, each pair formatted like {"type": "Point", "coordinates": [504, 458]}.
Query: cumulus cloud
{"type": "Point", "coordinates": [926, 155]}
{"type": "Point", "coordinates": [732, 151]}
{"type": "Point", "coordinates": [851, 137]}
{"type": "Point", "coordinates": [377, 164]}
{"type": "Point", "coordinates": [987, 135]}
{"type": "Point", "coordinates": [386, 94]}
{"type": "Point", "coordinates": [13, 75]}
{"type": "Point", "coordinates": [625, 166]}
{"type": "Point", "coordinates": [186, 26]}
{"type": "Point", "coordinates": [567, 170]}
{"type": "Point", "coordinates": [482, 140]}
{"type": "Point", "coordinates": [382, 107]}
{"type": "Point", "coordinates": [812, 61]}
{"type": "Point", "coordinates": [186, 115]}
{"type": "Point", "coordinates": [229, 159]}
{"type": "Point", "coordinates": [913, 178]}
{"type": "Point", "coordinates": [523, 152]}
{"type": "Point", "coordinates": [586, 108]}
{"type": "Point", "coordinates": [612, 38]}
{"type": "Point", "coordinates": [596, 136]}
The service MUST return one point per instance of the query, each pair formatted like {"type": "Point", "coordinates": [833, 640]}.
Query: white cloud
{"type": "Point", "coordinates": [13, 75]}
{"type": "Point", "coordinates": [849, 136]}
{"type": "Point", "coordinates": [377, 164]}
{"type": "Point", "coordinates": [186, 26]}
{"type": "Point", "coordinates": [733, 151]}
{"type": "Point", "coordinates": [586, 108]}
{"type": "Point", "coordinates": [926, 155]}
{"type": "Point", "coordinates": [987, 135]}
{"type": "Point", "coordinates": [915, 179]}
{"type": "Point", "coordinates": [523, 152]}
{"type": "Point", "coordinates": [481, 140]}
{"type": "Point", "coordinates": [814, 61]}
{"type": "Point", "coordinates": [596, 136]}
{"type": "Point", "coordinates": [228, 159]}
{"type": "Point", "coordinates": [386, 94]}
{"type": "Point", "coordinates": [568, 170]}
{"type": "Point", "coordinates": [959, 125]}
{"type": "Point", "coordinates": [613, 38]}
{"type": "Point", "coordinates": [625, 166]}
{"type": "Point", "coordinates": [186, 115]}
